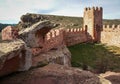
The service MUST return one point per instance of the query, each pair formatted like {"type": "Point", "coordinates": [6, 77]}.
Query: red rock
{"type": "Point", "coordinates": [14, 56]}
{"type": "Point", "coordinates": [52, 74]}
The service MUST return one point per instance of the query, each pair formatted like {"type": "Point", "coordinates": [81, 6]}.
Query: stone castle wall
{"type": "Point", "coordinates": [111, 35]}
{"type": "Point", "coordinates": [58, 37]}
{"type": "Point", "coordinates": [53, 39]}
{"type": "Point", "coordinates": [75, 35]}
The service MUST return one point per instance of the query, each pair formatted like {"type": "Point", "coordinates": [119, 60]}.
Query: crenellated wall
{"type": "Point", "coordinates": [53, 39]}
{"type": "Point", "coordinates": [75, 35]}
{"type": "Point", "coordinates": [111, 35]}
{"type": "Point", "coordinates": [58, 37]}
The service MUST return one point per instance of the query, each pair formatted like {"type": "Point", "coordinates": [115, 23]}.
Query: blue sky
{"type": "Point", "coordinates": [11, 10]}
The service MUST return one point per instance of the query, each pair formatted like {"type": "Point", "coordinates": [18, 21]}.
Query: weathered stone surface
{"type": "Point", "coordinates": [28, 20]}
{"type": "Point", "coordinates": [14, 56]}
{"type": "Point", "coordinates": [60, 55]}
{"type": "Point", "coordinates": [34, 35]}
{"type": "Point", "coordinates": [9, 33]}
{"type": "Point", "coordinates": [53, 74]}
{"type": "Point", "coordinates": [113, 77]}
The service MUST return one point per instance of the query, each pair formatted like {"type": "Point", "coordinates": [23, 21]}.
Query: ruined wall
{"type": "Point", "coordinates": [75, 35]}
{"type": "Point", "coordinates": [52, 40]}
{"type": "Point", "coordinates": [111, 35]}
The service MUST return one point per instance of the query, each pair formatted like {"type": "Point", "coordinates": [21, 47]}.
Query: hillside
{"type": "Point", "coordinates": [4, 25]}
{"type": "Point", "coordinates": [63, 21]}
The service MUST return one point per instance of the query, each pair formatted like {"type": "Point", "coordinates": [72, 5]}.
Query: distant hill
{"type": "Point", "coordinates": [4, 25]}
{"type": "Point", "coordinates": [62, 21]}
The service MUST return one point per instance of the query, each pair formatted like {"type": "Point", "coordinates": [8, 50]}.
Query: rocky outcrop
{"type": "Point", "coordinates": [14, 56]}
{"type": "Point", "coordinates": [34, 35]}
{"type": "Point", "coordinates": [29, 19]}
{"type": "Point", "coordinates": [60, 55]}
{"type": "Point", "coordinates": [53, 74]}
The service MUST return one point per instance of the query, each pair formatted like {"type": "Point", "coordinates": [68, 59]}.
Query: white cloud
{"type": "Point", "coordinates": [69, 11]}
{"type": "Point", "coordinates": [13, 9]}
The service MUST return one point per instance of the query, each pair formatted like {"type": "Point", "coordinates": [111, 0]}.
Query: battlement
{"type": "Point", "coordinates": [75, 30]}
{"type": "Point", "coordinates": [93, 8]}
{"type": "Point", "coordinates": [111, 28]}
{"type": "Point", "coordinates": [53, 33]}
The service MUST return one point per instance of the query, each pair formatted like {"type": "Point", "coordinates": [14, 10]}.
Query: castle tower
{"type": "Point", "coordinates": [93, 22]}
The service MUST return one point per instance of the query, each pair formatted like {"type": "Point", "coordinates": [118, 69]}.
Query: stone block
{"type": "Point", "coordinates": [14, 56]}
{"type": "Point", "coordinates": [53, 74]}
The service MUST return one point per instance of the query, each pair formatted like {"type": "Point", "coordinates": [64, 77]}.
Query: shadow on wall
{"type": "Point", "coordinates": [96, 34]}
{"type": "Point", "coordinates": [97, 58]}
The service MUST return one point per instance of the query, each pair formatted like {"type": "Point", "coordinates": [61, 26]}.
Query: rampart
{"type": "Point", "coordinates": [93, 8]}
{"type": "Point", "coordinates": [53, 39]}
{"type": "Point", "coordinates": [57, 37]}
{"type": "Point", "coordinates": [111, 35]}
{"type": "Point", "coordinates": [75, 35]}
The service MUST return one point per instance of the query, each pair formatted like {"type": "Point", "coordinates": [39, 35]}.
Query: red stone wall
{"type": "Point", "coordinates": [58, 37]}
{"type": "Point", "coordinates": [75, 36]}
{"type": "Point", "coordinates": [111, 35]}
{"type": "Point", "coordinates": [53, 39]}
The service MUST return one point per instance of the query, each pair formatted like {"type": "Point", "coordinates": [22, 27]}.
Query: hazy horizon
{"type": "Point", "coordinates": [12, 10]}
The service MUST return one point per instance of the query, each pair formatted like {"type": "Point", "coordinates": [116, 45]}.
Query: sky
{"type": "Point", "coordinates": [12, 10]}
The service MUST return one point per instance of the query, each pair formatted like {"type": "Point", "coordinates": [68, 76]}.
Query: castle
{"type": "Point", "coordinates": [41, 38]}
